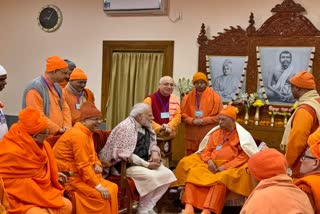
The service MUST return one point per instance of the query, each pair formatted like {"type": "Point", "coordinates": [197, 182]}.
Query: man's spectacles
{"type": "Point", "coordinates": [168, 84]}
{"type": "Point", "coordinates": [306, 156]}
{"type": "Point", "coordinates": [99, 120]}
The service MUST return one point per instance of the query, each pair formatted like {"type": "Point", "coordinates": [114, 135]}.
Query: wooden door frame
{"type": "Point", "coordinates": [166, 47]}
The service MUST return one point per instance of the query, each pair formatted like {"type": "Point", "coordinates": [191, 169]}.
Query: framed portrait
{"type": "Point", "coordinates": [276, 65]}
{"type": "Point", "coordinates": [227, 75]}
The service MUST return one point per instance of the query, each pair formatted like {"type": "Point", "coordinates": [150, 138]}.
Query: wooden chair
{"type": "Point", "coordinates": [127, 194]}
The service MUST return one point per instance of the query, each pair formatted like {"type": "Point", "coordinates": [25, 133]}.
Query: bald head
{"type": "Point", "coordinates": [166, 85]}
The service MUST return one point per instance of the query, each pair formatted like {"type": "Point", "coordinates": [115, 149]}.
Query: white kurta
{"type": "Point", "coordinates": [147, 180]}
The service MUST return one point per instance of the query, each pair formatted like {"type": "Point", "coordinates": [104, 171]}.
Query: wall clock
{"type": "Point", "coordinates": [50, 18]}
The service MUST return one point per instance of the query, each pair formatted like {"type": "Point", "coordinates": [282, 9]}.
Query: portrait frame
{"type": "Point", "coordinates": [231, 69]}
{"type": "Point", "coordinates": [276, 65]}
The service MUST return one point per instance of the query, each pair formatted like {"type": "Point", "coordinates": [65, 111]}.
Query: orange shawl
{"type": "Point", "coordinates": [210, 104]}
{"type": "Point", "coordinates": [311, 185]}
{"type": "Point", "coordinates": [29, 173]}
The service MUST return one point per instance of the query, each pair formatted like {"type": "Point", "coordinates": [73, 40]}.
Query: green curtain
{"type": "Point", "coordinates": [134, 75]}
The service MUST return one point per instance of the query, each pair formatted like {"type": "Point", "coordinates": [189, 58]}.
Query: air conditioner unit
{"type": "Point", "coordinates": [136, 7]}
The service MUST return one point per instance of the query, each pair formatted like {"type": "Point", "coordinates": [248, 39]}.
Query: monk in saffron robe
{"type": "Point", "coordinates": [310, 170]}
{"type": "Point", "coordinates": [200, 109]}
{"type": "Point", "coordinates": [165, 109]}
{"type": "Point", "coordinates": [275, 192]}
{"type": "Point", "coordinates": [75, 153]}
{"type": "Point", "coordinates": [28, 168]}
{"type": "Point", "coordinates": [76, 94]}
{"type": "Point", "coordinates": [219, 168]}
{"type": "Point", "coordinates": [303, 122]}
{"type": "Point", "coordinates": [45, 94]}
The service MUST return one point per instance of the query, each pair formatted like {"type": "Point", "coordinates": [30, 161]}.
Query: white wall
{"type": "Point", "coordinates": [24, 47]}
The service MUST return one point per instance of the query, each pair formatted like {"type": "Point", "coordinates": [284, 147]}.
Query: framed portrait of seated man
{"type": "Point", "coordinates": [227, 75]}
{"type": "Point", "coordinates": [277, 66]}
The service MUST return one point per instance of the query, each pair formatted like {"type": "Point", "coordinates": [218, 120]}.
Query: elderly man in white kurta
{"type": "Point", "coordinates": [134, 140]}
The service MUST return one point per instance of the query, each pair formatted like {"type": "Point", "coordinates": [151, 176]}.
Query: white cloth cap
{"type": "Point", "coordinates": [3, 71]}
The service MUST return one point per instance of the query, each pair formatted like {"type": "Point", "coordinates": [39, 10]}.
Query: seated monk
{"type": "Point", "coordinates": [275, 192]}
{"type": "Point", "coordinates": [28, 168]}
{"type": "Point", "coordinates": [310, 170]}
{"type": "Point", "coordinates": [219, 168]}
{"type": "Point", "coordinates": [134, 140]}
{"type": "Point", "coordinates": [74, 152]}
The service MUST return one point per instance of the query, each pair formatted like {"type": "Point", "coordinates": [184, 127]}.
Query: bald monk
{"type": "Point", "coordinates": [165, 109]}
{"type": "Point", "coordinates": [303, 122]}
{"type": "Point", "coordinates": [74, 152]}
{"type": "Point", "coordinates": [219, 168]}
{"type": "Point", "coordinates": [310, 172]}
{"type": "Point", "coordinates": [76, 93]}
{"type": "Point", "coordinates": [200, 109]}
{"type": "Point", "coordinates": [275, 192]}
{"type": "Point", "coordinates": [71, 67]}
{"type": "Point", "coordinates": [45, 94]}
{"type": "Point", "coordinates": [28, 168]}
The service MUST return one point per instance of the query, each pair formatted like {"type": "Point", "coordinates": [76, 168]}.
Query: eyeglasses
{"type": "Point", "coordinates": [168, 84]}
{"type": "Point", "coordinates": [99, 120]}
{"type": "Point", "coordinates": [306, 156]}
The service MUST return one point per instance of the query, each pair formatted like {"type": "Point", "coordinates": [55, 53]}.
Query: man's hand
{"type": "Point", "coordinates": [155, 157]}
{"type": "Point", "coordinates": [97, 169]}
{"type": "Point", "coordinates": [198, 122]}
{"type": "Point", "coordinates": [103, 191]}
{"type": "Point", "coordinates": [212, 167]}
{"type": "Point", "coordinates": [153, 165]}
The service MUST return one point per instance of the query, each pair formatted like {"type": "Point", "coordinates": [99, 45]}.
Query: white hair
{"type": "Point", "coordinates": [162, 79]}
{"type": "Point", "coordinates": [138, 108]}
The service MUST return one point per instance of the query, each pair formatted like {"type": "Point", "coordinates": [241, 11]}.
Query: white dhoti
{"type": "Point", "coordinates": [147, 180]}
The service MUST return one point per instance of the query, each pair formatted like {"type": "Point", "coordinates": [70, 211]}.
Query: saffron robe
{"type": "Point", "coordinates": [277, 195]}
{"type": "Point", "coordinates": [29, 173]}
{"type": "Point", "coordinates": [194, 168]}
{"type": "Point", "coordinates": [60, 117]}
{"type": "Point", "coordinates": [310, 184]}
{"type": "Point", "coordinates": [74, 151]}
{"type": "Point", "coordinates": [210, 105]}
{"type": "Point", "coordinates": [300, 126]}
{"type": "Point", "coordinates": [72, 100]}
{"type": "Point", "coordinates": [4, 203]}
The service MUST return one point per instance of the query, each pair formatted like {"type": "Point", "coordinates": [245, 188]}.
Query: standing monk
{"type": "Point", "coordinates": [3, 83]}
{"type": "Point", "coordinates": [303, 122]}
{"type": "Point", "coordinates": [28, 168]}
{"type": "Point", "coordinates": [75, 153]}
{"type": "Point", "coordinates": [45, 94]}
{"type": "Point", "coordinates": [76, 94]}
{"type": "Point", "coordinates": [200, 109]}
{"type": "Point", "coordinates": [165, 109]}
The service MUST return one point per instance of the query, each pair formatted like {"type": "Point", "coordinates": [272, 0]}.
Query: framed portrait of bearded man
{"type": "Point", "coordinates": [276, 65]}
